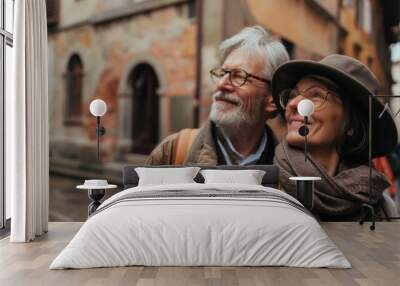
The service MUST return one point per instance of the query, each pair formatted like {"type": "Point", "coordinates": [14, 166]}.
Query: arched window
{"type": "Point", "coordinates": [74, 86]}
{"type": "Point", "coordinates": [144, 84]}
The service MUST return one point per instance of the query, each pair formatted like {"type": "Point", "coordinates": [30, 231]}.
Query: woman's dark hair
{"type": "Point", "coordinates": [352, 148]}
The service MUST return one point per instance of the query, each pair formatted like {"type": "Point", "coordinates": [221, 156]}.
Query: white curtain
{"type": "Point", "coordinates": [27, 172]}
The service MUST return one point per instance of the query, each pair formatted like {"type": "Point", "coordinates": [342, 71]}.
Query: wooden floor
{"type": "Point", "coordinates": [375, 256]}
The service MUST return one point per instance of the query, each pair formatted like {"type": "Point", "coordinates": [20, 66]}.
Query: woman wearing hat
{"type": "Point", "coordinates": [340, 87]}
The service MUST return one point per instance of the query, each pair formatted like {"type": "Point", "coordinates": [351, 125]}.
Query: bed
{"type": "Point", "coordinates": [201, 224]}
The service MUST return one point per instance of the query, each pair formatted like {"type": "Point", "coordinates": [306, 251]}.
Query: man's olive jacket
{"type": "Point", "coordinates": [205, 150]}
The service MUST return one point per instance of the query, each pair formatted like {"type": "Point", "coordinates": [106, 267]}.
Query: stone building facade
{"type": "Point", "coordinates": [139, 58]}
{"type": "Point", "coordinates": [367, 35]}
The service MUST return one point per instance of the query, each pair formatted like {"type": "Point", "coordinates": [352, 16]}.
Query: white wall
{"type": "Point", "coordinates": [8, 86]}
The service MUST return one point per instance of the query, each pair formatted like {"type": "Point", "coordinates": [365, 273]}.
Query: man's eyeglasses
{"type": "Point", "coordinates": [237, 77]}
{"type": "Point", "coordinates": [317, 95]}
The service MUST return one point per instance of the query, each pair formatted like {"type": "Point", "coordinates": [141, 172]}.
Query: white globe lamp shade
{"type": "Point", "coordinates": [305, 107]}
{"type": "Point", "coordinates": [98, 107]}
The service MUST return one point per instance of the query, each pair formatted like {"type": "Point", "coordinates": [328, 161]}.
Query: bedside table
{"type": "Point", "coordinates": [95, 193]}
{"type": "Point", "coordinates": [305, 190]}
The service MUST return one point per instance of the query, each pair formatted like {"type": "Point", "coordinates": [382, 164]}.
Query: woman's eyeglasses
{"type": "Point", "coordinates": [237, 77]}
{"type": "Point", "coordinates": [317, 95]}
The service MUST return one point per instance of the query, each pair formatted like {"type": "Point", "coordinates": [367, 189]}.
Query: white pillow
{"type": "Point", "coordinates": [163, 176]}
{"type": "Point", "coordinates": [248, 177]}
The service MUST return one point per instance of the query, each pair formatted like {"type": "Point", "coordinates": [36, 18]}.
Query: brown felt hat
{"type": "Point", "coordinates": [356, 82]}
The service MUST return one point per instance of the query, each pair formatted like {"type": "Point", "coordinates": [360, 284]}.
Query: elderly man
{"type": "Point", "coordinates": [236, 133]}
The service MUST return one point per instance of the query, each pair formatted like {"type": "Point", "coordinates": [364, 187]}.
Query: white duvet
{"type": "Point", "coordinates": [183, 231]}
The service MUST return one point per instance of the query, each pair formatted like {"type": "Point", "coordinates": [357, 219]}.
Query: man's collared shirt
{"type": "Point", "coordinates": [233, 157]}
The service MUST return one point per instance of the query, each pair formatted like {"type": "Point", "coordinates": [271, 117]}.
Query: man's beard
{"type": "Point", "coordinates": [235, 119]}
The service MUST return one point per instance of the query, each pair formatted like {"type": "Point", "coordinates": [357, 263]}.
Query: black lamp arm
{"type": "Point", "coordinates": [305, 138]}
{"type": "Point", "coordinates": [100, 130]}
{"type": "Point", "coordinates": [303, 131]}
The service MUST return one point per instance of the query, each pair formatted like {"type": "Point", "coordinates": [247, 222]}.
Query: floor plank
{"type": "Point", "coordinates": [375, 257]}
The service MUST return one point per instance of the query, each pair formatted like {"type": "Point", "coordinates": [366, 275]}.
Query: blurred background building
{"type": "Point", "coordinates": [150, 61]}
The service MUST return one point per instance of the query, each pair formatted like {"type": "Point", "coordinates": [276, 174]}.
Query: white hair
{"type": "Point", "coordinates": [255, 41]}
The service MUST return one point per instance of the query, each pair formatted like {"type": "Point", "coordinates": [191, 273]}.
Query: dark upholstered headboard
{"type": "Point", "coordinates": [270, 179]}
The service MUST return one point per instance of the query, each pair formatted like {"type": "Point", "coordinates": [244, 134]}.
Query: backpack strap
{"type": "Point", "coordinates": [182, 144]}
